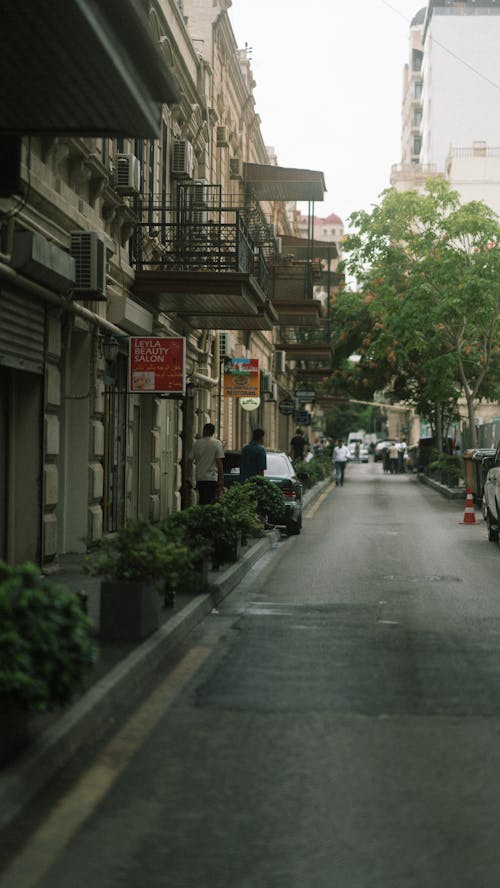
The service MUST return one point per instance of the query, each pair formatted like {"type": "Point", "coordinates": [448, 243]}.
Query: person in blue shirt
{"type": "Point", "coordinates": [253, 457]}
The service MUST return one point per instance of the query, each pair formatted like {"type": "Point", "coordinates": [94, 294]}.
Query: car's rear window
{"type": "Point", "coordinates": [277, 466]}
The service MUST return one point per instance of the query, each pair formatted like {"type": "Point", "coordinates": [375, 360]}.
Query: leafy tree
{"type": "Point", "coordinates": [429, 306]}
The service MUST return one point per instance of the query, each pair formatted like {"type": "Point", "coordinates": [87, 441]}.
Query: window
{"type": "Point", "coordinates": [417, 89]}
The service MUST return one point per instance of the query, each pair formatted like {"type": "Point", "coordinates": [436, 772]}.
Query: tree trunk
{"type": "Point", "coordinates": [439, 428]}
{"type": "Point", "coordinates": [472, 423]}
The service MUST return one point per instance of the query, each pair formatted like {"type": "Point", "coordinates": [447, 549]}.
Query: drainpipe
{"type": "Point", "coordinates": [9, 274]}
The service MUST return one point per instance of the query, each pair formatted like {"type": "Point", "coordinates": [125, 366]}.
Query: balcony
{"type": "Point", "coordinates": [304, 346]}
{"type": "Point", "coordinates": [198, 260]}
{"type": "Point", "coordinates": [291, 290]}
{"type": "Point", "coordinates": [82, 67]}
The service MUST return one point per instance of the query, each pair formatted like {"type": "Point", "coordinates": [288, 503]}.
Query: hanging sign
{"type": "Point", "coordinates": [157, 364]}
{"type": "Point", "coordinates": [287, 406]}
{"type": "Point", "coordinates": [241, 378]}
{"type": "Point", "coordinates": [249, 403]}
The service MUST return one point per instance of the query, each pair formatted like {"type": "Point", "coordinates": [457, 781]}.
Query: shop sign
{"type": "Point", "coordinates": [286, 406]}
{"type": "Point", "coordinates": [157, 364]}
{"type": "Point", "coordinates": [302, 417]}
{"type": "Point", "coordinates": [305, 397]}
{"type": "Point", "coordinates": [250, 403]}
{"type": "Point", "coordinates": [241, 378]}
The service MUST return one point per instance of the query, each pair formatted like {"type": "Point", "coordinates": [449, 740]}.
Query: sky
{"type": "Point", "coordinates": [329, 76]}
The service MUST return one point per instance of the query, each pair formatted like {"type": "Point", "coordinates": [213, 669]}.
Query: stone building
{"type": "Point", "coordinates": [136, 200]}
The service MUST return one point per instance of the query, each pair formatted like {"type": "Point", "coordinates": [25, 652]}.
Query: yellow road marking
{"type": "Point", "coordinates": [312, 511]}
{"type": "Point", "coordinates": [48, 841]}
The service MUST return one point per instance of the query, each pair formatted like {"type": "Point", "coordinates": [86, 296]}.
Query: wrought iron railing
{"type": "Point", "coordinates": [196, 233]}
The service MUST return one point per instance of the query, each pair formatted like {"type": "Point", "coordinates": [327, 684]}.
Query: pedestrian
{"type": "Point", "coordinates": [207, 454]}
{"type": "Point", "coordinates": [253, 457]}
{"type": "Point", "coordinates": [403, 455]}
{"type": "Point", "coordinates": [394, 458]}
{"type": "Point", "coordinates": [340, 458]}
{"type": "Point", "coordinates": [298, 445]}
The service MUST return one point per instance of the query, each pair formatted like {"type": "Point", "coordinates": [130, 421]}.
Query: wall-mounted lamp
{"type": "Point", "coordinates": [109, 348]}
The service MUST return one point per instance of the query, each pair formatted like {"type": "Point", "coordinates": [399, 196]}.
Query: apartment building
{"type": "Point", "coordinates": [137, 200]}
{"type": "Point", "coordinates": [450, 92]}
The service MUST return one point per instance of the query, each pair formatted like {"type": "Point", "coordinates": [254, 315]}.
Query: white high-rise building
{"type": "Point", "coordinates": [451, 99]}
{"type": "Point", "coordinates": [460, 77]}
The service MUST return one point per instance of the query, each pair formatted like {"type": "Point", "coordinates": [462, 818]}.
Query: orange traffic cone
{"type": "Point", "coordinates": [469, 514]}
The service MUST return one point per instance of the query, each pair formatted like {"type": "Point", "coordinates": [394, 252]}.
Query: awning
{"type": "Point", "coordinates": [300, 248]}
{"type": "Point", "coordinates": [207, 300]}
{"type": "Point", "coordinates": [83, 67]}
{"type": "Point", "coordinates": [269, 182]}
{"type": "Point", "coordinates": [304, 313]}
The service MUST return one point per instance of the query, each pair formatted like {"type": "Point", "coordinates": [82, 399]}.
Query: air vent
{"type": "Point", "coordinates": [279, 361]}
{"type": "Point", "coordinates": [226, 345]}
{"type": "Point", "coordinates": [127, 174]}
{"type": "Point", "coordinates": [222, 137]}
{"type": "Point", "coordinates": [182, 159]}
{"type": "Point", "coordinates": [89, 252]}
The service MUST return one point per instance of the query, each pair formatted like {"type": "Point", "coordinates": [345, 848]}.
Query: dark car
{"type": "Point", "coordinates": [491, 495]}
{"type": "Point", "coordinates": [281, 472]}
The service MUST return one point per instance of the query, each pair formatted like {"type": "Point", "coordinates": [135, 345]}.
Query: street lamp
{"type": "Point", "coordinates": [109, 350]}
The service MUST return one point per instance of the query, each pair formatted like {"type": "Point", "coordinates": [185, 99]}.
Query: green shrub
{"type": "Point", "coordinates": [241, 505]}
{"type": "Point", "coordinates": [269, 499]}
{"type": "Point", "coordinates": [316, 470]}
{"type": "Point", "coordinates": [46, 648]}
{"type": "Point", "coordinates": [139, 552]}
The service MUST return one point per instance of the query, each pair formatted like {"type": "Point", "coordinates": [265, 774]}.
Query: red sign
{"type": "Point", "coordinates": [157, 364]}
{"type": "Point", "coordinates": [241, 378]}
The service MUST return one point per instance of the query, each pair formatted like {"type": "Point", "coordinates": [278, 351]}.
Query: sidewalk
{"type": "Point", "coordinates": [120, 675]}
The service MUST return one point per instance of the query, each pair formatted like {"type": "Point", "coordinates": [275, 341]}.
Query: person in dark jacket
{"type": "Point", "coordinates": [253, 457]}
{"type": "Point", "coordinates": [298, 445]}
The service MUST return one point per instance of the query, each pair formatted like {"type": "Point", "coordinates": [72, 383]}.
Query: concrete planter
{"type": "Point", "coordinates": [129, 611]}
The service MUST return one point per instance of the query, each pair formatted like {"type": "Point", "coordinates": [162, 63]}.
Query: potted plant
{"type": "Point", "coordinates": [209, 529]}
{"type": "Point", "coordinates": [241, 505]}
{"type": "Point", "coordinates": [138, 564]}
{"type": "Point", "coordinates": [269, 499]}
{"type": "Point", "coordinates": [46, 650]}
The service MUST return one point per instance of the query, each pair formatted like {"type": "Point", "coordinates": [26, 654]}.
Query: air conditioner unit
{"type": "Point", "coordinates": [127, 174]}
{"type": "Point", "coordinates": [89, 252]}
{"type": "Point", "coordinates": [279, 361]}
{"type": "Point", "coordinates": [266, 383]}
{"type": "Point", "coordinates": [235, 168]}
{"type": "Point", "coordinates": [198, 193]}
{"type": "Point", "coordinates": [182, 159]}
{"type": "Point", "coordinates": [278, 245]}
{"type": "Point", "coordinates": [226, 345]}
{"type": "Point", "coordinates": [222, 136]}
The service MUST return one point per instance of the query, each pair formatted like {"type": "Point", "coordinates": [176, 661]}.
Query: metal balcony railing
{"type": "Point", "coordinates": [197, 234]}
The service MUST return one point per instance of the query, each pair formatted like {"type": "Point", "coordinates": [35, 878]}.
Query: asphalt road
{"type": "Point", "coordinates": [336, 724]}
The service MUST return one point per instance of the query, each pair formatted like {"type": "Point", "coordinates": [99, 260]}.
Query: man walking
{"type": "Point", "coordinates": [253, 457]}
{"type": "Point", "coordinates": [207, 454]}
{"type": "Point", "coordinates": [340, 457]}
{"type": "Point", "coordinates": [298, 445]}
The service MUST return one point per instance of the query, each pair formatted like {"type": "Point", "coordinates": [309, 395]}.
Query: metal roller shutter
{"type": "Point", "coordinates": [22, 331]}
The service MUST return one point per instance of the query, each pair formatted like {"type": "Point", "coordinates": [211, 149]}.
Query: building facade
{"type": "Point", "coordinates": [130, 206]}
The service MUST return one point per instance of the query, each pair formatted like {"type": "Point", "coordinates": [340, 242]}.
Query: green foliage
{"type": "Point", "coordinates": [241, 504]}
{"type": "Point", "coordinates": [269, 499]}
{"type": "Point", "coordinates": [46, 649]}
{"type": "Point", "coordinates": [447, 464]}
{"type": "Point", "coordinates": [139, 551]}
{"type": "Point", "coordinates": [426, 322]}
{"type": "Point", "coordinates": [316, 470]}
{"type": "Point", "coordinates": [208, 529]}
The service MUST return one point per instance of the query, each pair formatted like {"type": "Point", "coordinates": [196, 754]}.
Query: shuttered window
{"type": "Point", "coordinates": [22, 331]}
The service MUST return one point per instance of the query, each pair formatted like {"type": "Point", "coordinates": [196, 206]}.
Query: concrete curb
{"type": "Point", "coordinates": [122, 686]}
{"type": "Point", "coordinates": [88, 718]}
{"type": "Point", "coordinates": [453, 493]}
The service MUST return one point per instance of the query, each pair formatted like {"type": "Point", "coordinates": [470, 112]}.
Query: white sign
{"type": "Point", "coordinates": [249, 403]}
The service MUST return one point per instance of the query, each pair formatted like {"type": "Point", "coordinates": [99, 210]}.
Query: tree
{"type": "Point", "coordinates": [429, 270]}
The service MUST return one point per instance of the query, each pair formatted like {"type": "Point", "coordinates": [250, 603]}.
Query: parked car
{"type": "Point", "coordinates": [491, 495]}
{"type": "Point", "coordinates": [380, 446]}
{"type": "Point", "coordinates": [279, 470]}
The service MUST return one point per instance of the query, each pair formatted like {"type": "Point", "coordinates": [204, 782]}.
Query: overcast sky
{"type": "Point", "coordinates": [329, 79]}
